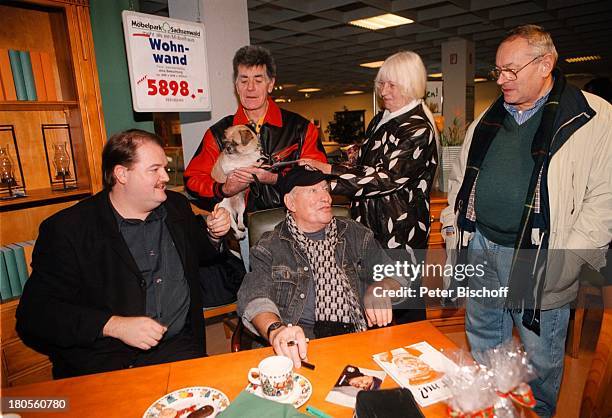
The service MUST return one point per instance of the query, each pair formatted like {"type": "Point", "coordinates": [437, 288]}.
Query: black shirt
{"type": "Point", "coordinates": [167, 290]}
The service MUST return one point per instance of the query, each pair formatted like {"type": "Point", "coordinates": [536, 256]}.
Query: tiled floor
{"type": "Point", "coordinates": [574, 374]}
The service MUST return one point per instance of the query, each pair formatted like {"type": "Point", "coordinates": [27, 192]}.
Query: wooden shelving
{"type": "Point", "coordinates": [39, 197]}
{"type": "Point", "coordinates": [61, 31]}
{"type": "Point", "coordinates": [36, 105]}
{"type": "Point", "coordinates": [445, 319]}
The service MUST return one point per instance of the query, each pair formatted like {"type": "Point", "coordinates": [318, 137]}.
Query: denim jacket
{"type": "Point", "coordinates": [280, 271]}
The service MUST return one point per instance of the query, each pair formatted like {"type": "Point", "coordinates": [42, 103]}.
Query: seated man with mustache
{"type": "Point", "coordinates": [115, 283]}
{"type": "Point", "coordinates": [312, 275]}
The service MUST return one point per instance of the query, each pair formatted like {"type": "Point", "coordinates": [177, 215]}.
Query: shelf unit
{"type": "Point", "coordinates": [62, 30]}
{"type": "Point", "coordinates": [447, 320]}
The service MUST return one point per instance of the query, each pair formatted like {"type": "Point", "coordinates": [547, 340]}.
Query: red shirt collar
{"type": "Point", "coordinates": [273, 115]}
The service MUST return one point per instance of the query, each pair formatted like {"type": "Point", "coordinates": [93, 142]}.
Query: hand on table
{"type": "Point", "coordinates": [218, 222]}
{"type": "Point", "coordinates": [296, 350]}
{"type": "Point", "coordinates": [136, 331]}
{"type": "Point", "coordinates": [378, 309]}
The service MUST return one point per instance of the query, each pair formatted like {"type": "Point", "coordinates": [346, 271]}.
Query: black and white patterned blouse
{"type": "Point", "coordinates": [390, 185]}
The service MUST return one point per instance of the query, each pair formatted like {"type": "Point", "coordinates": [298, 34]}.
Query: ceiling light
{"type": "Point", "coordinates": [280, 100]}
{"type": "Point", "coordinates": [309, 90]}
{"type": "Point", "coordinates": [373, 64]}
{"type": "Point", "coordinates": [353, 92]}
{"type": "Point", "coordinates": [583, 59]}
{"type": "Point", "coordinates": [480, 79]}
{"type": "Point", "coordinates": [435, 75]}
{"type": "Point", "coordinates": [381, 22]}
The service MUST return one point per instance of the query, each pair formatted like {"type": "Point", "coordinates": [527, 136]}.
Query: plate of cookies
{"type": "Point", "coordinates": [191, 402]}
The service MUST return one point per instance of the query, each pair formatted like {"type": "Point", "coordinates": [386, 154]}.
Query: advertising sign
{"type": "Point", "coordinates": [433, 97]}
{"type": "Point", "coordinates": [167, 63]}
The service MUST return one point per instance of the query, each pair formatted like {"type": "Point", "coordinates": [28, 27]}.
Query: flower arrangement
{"type": "Point", "coordinates": [454, 134]}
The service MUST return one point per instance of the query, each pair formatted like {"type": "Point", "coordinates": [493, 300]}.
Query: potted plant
{"type": "Point", "coordinates": [451, 139]}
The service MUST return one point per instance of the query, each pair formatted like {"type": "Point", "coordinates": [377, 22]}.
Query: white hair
{"type": "Point", "coordinates": [406, 69]}
{"type": "Point", "coordinates": [536, 37]}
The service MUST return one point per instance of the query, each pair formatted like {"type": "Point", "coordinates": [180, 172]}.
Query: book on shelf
{"type": "Point", "coordinates": [48, 76]}
{"type": "Point", "coordinates": [28, 249]}
{"type": "Point", "coordinates": [420, 368]}
{"type": "Point", "coordinates": [11, 268]}
{"type": "Point", "coordinates": [22, 267]}
{"type": "Point", "coordinates": [6, 76]}
{"type": "Point", "coordinates": [28, 75]}
{"type": "Point", "coordinates": [5, 286]}
{"type": "Point", "coordinates": [18, 79]}
{"type": "Point", "coordinates": [39, 78]}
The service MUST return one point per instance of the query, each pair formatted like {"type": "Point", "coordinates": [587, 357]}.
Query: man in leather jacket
{"type": "Point", "coordinates": [284, 136]}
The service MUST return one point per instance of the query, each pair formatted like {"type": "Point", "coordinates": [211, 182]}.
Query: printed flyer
{"type": "Point", "coordinates": [420, 368]}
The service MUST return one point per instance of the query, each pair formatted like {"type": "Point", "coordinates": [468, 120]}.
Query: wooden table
{"type": "Point", "coordinates": [128, 393]}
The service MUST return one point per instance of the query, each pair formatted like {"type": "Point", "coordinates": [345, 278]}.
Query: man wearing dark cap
{"type": "Point", "coordinates": [312, 275]}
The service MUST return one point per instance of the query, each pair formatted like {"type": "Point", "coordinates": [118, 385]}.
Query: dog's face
{"type": "Point", "coordinates": [240, 139]}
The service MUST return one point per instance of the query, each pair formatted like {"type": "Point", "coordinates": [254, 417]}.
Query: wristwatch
{"type": "Point", "coordinates": [273, 326]}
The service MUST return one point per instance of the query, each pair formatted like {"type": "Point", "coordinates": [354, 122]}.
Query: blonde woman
{"type": "Point", "coordinates": [390, 184]}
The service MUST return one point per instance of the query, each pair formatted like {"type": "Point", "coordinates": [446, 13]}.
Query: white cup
{"type": "Point", "coordinates": [275, 376]}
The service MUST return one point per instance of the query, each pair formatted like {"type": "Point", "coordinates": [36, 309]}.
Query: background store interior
{"type": "Point", "coordinates": [316, 48]}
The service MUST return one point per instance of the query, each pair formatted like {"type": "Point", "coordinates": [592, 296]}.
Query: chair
{"type": "Point", "coordinates": [20, 363]}
{"type": "Point", "coordinates": [226, 311]}
{"type": "Point", "coordinates": [597, 394]}
{"type": "Point", "coordinates": [242, 337]}
{"type": "Point", "coordinates": [260, 222]}
{"type": "Point", "coordinates": [265, 220]}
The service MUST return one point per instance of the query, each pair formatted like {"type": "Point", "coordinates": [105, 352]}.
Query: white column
{"type": "Point", "coordinates": [227, 28]}
{"type": "Point", "coordinates": [458, 67]}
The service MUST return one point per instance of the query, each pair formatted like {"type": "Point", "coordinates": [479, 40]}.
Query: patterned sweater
{"type": "Point", "coordinates": [391, 182]}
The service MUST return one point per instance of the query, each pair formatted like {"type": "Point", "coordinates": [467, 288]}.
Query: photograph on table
{"type": "Point", "coordinates": [352, 381]}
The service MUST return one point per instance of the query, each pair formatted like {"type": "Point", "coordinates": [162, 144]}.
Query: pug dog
{"type": "Point", "coordinates": [241, 148]}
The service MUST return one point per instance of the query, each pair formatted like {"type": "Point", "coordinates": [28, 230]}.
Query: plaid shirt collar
{"type": "Point", "coordinates": [522, 116]}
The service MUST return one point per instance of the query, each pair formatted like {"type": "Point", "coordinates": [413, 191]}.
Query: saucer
{"type": "Point", "coordinates": [302, 390]}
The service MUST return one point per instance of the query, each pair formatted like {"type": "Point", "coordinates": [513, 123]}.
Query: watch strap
{"type": "Point", "coordinates": [273, 326]}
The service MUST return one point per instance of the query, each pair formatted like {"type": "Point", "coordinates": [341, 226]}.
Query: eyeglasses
{"type": "Point", "coordinates": [509, 73]}
{"type": "Point", "coordinates": [381, 84]}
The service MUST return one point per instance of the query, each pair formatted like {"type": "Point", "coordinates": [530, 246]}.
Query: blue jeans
{"type": "Point", "coordinates": [489, 324]}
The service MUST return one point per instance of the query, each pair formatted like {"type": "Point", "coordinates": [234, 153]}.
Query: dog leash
{"type": "Point", "coordinates": [275, 162]}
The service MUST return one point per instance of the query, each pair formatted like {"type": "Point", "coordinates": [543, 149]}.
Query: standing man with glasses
{"type": "Point", "coordinates": [532, 185]}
